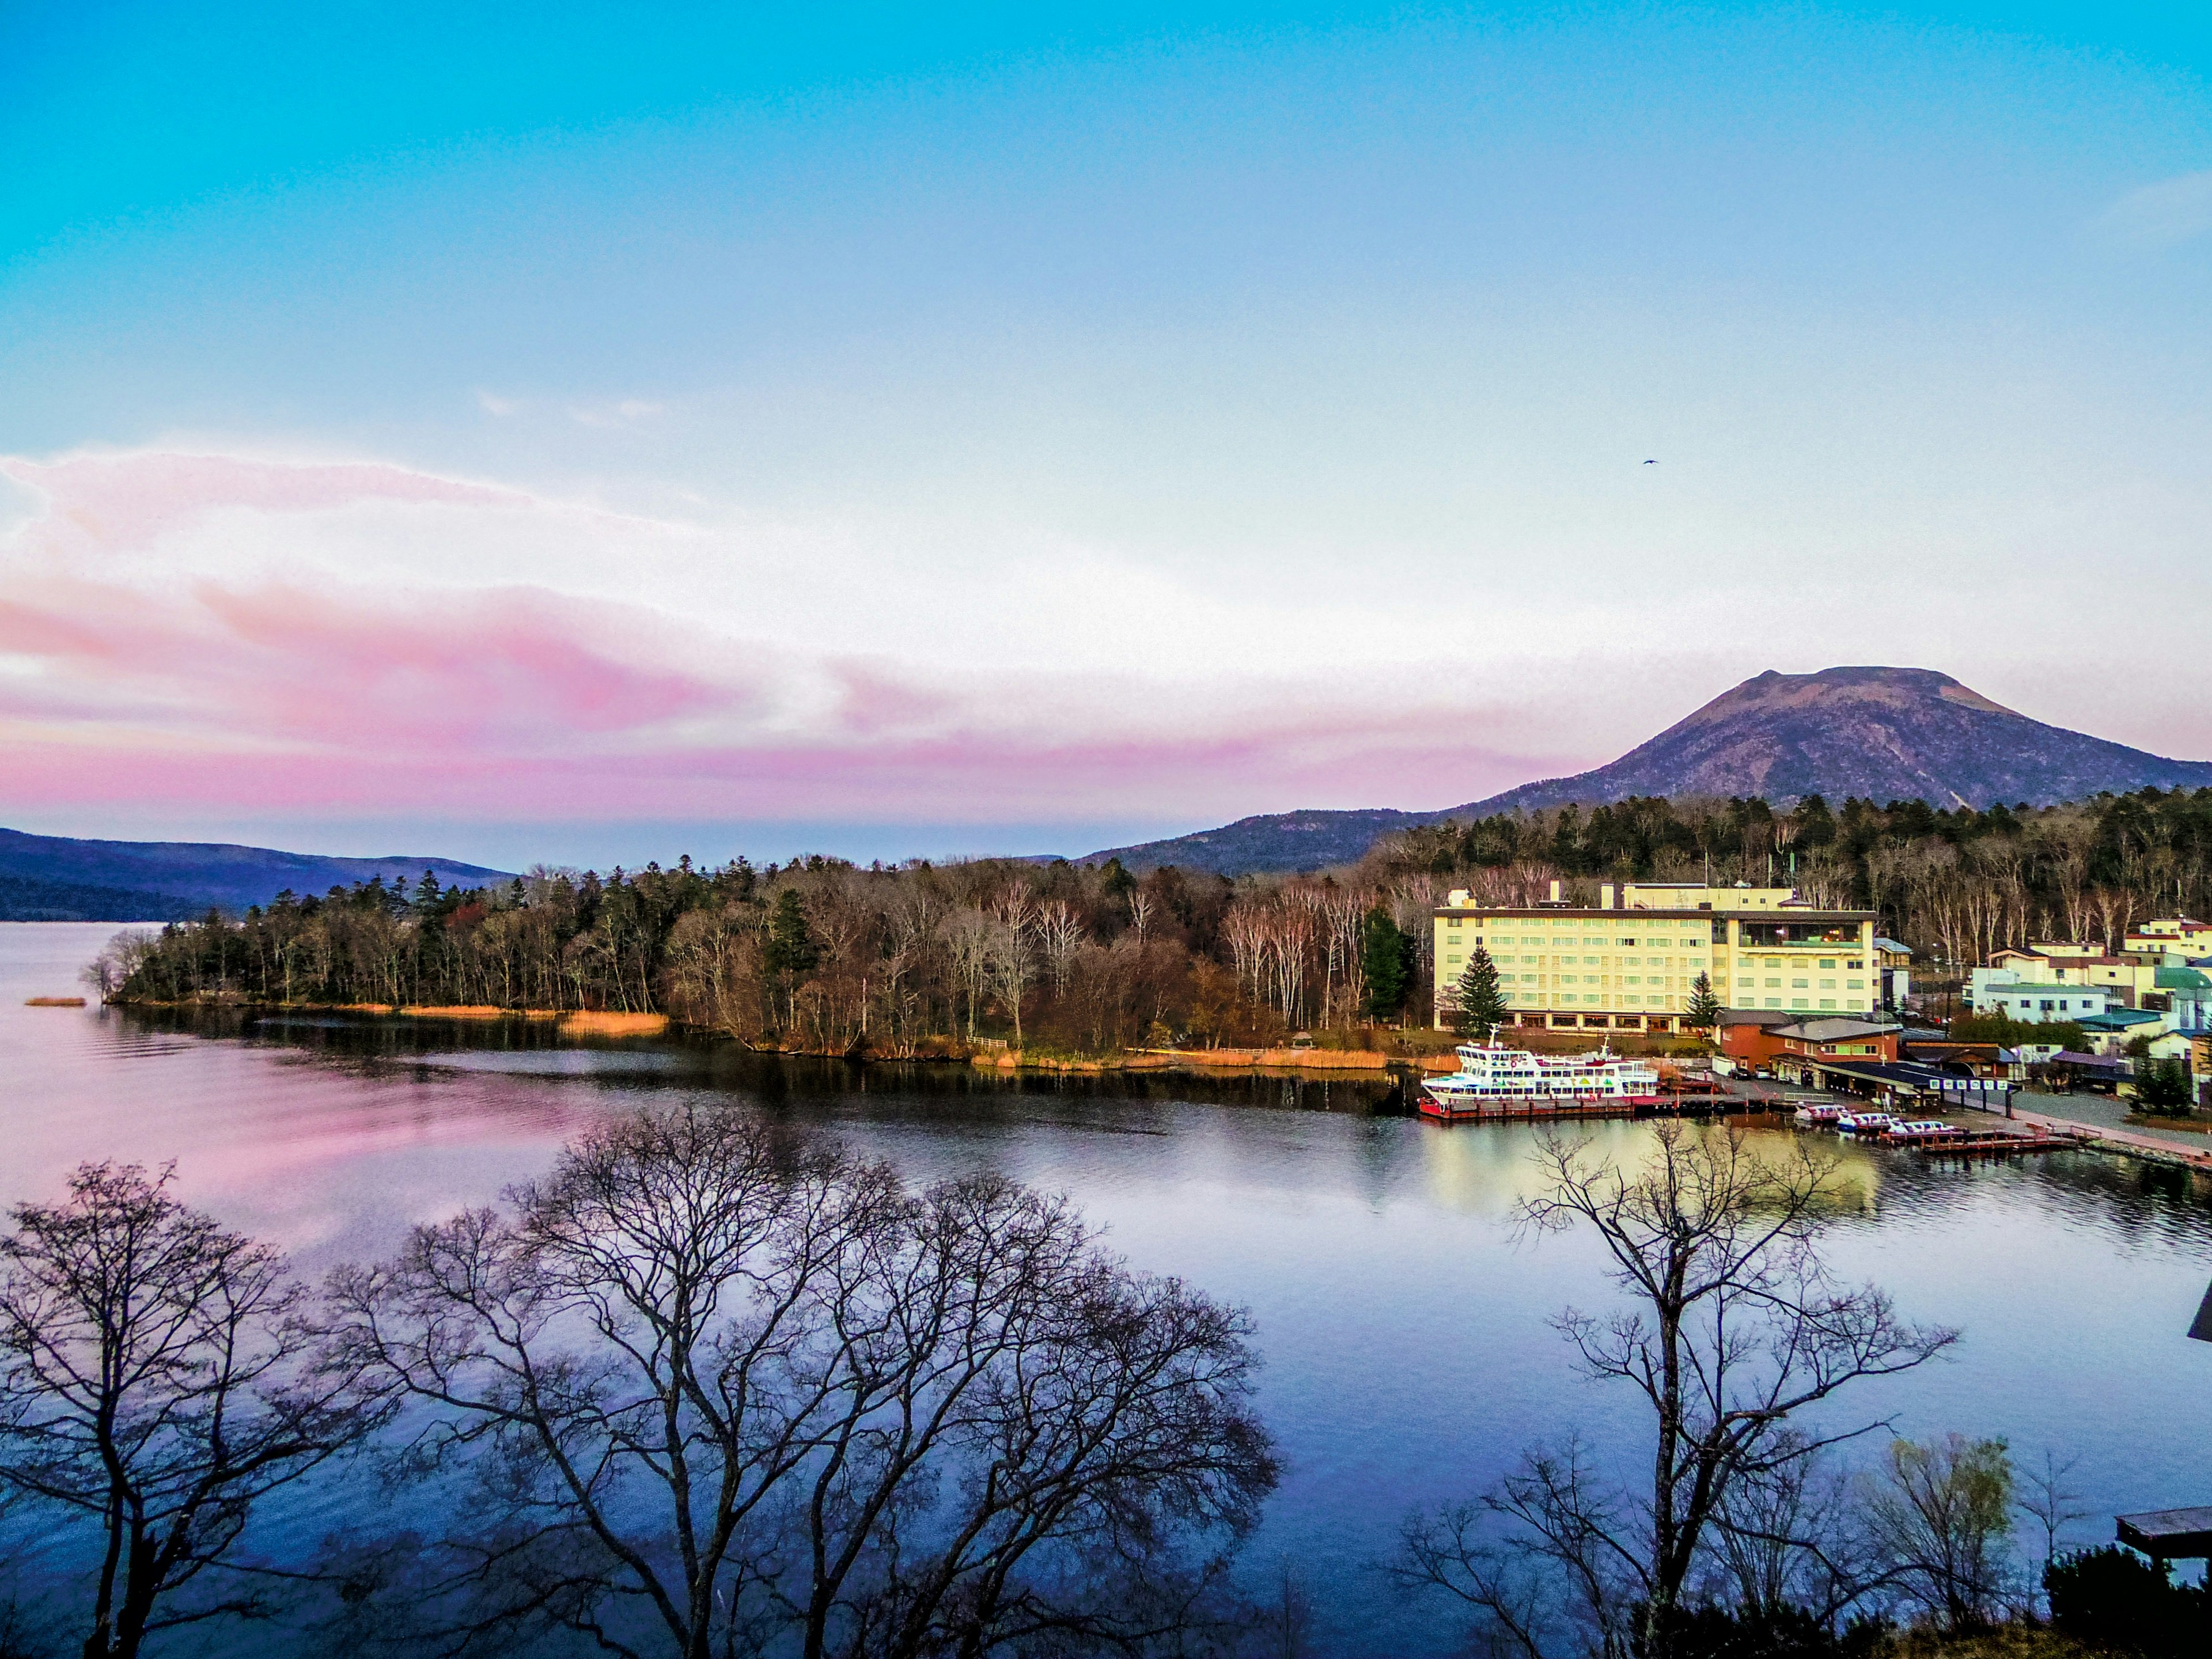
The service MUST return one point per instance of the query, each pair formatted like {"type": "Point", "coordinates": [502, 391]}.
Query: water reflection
{"type": "Point", "coordinates": [1405, 1326]}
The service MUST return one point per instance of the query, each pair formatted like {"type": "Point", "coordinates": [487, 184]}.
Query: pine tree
{"type": "Point", "coordinates": [1477, 1003]}
{"type": "Point", "coordinates": [791, 948]}
{"type": "Point", "coordinates": [1386, 960]}
{"type": "Point", "coordinates": [1704, 1012]}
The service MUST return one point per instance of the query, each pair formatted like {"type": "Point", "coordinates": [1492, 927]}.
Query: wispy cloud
{"type": "Point", "coordinates": [2161, 215]}
{"type": "Point", "coordinates": [366, 663]}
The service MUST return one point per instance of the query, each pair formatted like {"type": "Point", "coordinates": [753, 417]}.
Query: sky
{"type": "Point", "coordinates": [588, 434]}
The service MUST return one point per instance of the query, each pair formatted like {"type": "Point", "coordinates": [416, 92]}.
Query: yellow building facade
{"type": "Point", "coordinates": [1630, 965]}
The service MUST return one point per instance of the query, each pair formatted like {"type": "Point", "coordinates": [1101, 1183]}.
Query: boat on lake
{"type": "Point", "coordinates": [1864, 1123]}
{"type": "Point", "coordinates": [1817, 1115]}
{"type": "Point", "coordinates": [1495, 1081]}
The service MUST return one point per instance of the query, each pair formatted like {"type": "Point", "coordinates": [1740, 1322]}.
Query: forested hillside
{"type": "Point", "coordinates": [821, 953]}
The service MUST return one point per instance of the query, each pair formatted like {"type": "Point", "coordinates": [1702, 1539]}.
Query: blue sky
{"type": "Point", "coordinates": [894, 432]}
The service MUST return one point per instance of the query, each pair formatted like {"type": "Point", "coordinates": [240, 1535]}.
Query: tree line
{"type": "Point", "coordinates": [1955, 883]}
{"type": "Point", "coordinates": [903, 961]}
{"type": "Point", "coordinates": [826, 955]}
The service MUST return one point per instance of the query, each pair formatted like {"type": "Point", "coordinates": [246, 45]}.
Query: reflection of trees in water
{"type": "Point", "coordinates": [713, 1385]}
{"type": "Point", "coordinates": [709, 1388]}
{"type": "Point", "coordinates": [780, 1080]}
{"type": "Point", "coordinates": [1731, 1336]}
{"type": "Point", "coordinates": [2139, 1203]}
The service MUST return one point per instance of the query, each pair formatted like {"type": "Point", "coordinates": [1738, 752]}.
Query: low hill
{"type": "Point", "coordinates": [57, 879]}
{"type": "Point", "coordinates": [1884, 733]}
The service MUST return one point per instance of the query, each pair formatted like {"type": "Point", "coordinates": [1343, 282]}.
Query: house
{"type": "Point", "coordinates": [1758, 1042]}
{"type": "Point", "coordinates": [1967, 1058]}
{"type": "Point", "coordinates": [2000, 991]}
{"type": "Point", "coordinates": [1893, 962]}
{"type": "Point", "coordinates": [2187, 995]}
{"type": "Point", "coordinates": [2174, 939]}
{"type": "Point", "coordinates": [2110, 1032]}
{"type": "Point", "coordinates": [2126, 980]}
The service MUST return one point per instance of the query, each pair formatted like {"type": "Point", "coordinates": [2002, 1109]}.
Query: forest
{"type": "Point", "coordinates": [903, 961]}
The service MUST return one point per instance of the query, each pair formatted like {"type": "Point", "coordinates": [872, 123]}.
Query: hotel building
{"type": "Point", "coordinates": [1630, 965]}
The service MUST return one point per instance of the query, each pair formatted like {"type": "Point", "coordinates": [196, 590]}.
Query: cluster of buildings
{"type": "Point", "coordinates": [2160, 982]}
{"type": "Point", "coordinates": [1810, 995]}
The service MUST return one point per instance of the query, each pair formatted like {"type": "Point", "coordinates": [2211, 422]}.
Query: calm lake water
{"type": "Point", "coordinates": [1404, 1324]}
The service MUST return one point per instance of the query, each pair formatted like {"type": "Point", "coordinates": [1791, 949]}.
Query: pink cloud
{"type": "Point", "coordinates": [962, 777]}
{"type": "Point", "coordinates": [480, 673]}
{"type": "Point", "coordinates": [269, 694]}
{"type": "Point", "coordinates": [127, 500]}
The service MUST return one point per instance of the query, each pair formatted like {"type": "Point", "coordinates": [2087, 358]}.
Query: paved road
{"type": "Point", "coordinates": [2105, 1113]}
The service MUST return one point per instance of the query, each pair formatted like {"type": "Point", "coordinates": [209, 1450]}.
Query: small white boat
{"type": "Point", "coordinates": [1864, 1123]}
{"type": "Point", "coordinates": [1817, 1116]}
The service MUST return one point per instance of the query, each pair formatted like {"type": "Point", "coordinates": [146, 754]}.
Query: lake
{"type": "Point", "coordinates": [1403, 1322]}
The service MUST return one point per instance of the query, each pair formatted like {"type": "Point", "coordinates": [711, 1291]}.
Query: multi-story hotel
{"type": "Point", "coordinates": [1630, 965]}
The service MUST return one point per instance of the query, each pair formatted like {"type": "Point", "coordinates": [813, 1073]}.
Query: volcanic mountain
{"type": "Point", "coordinates": [1885, 733]}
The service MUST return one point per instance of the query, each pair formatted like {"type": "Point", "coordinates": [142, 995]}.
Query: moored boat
{"type": "Point", "coordinates": [1864, 1123]}
{"type": "Point", "coordinates": [1495, 1081]}
{"type": "Point", "coordinates": [1817, 1116]}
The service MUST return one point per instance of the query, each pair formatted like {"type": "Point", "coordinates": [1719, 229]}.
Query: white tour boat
{"type": "Point", "coordinates": [1818, 1115]}
{"type": "Point", "coordinates": [1495, 1081]}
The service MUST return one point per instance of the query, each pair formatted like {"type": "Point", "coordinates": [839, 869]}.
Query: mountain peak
{"type": "Point", "coordinates": [1885, 733]}
{"type": "Point", "coordinates": [1837, 688]}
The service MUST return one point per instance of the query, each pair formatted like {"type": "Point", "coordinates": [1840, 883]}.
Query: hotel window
{"type": "Point", "coordinates": [1774, 985]}
{"type": "Point", "coordinates": [1827, 985]}
{"type": "Point", "coordinates": [1855, 985]}
{"type": "Point", "coordinates": [1828, 965]}
{"type": "Point", "coordinates": [1827, 1002]}
{"type": "Point", "coordinates": [1800, 985]}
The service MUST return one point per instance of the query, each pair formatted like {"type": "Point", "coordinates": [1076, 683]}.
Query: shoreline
{"type": "Point", "coordinates": [1372, 1064]}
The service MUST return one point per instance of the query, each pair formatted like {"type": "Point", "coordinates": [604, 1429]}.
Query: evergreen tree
{"type": "Point", "coordinates": [789, 951]}
{"type": "Point", "coordinates": [1477, 1003]}
{"type": "Point", "coordinates": [1386, 957]}
{"type": "Point", "coordinates": [791, 948]}
{"type": "Point", "coordinates": [1704, 1012]}
{"type": "Point", "coordinates": [2162, 1087]}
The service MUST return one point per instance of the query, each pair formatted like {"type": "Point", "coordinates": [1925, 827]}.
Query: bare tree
{"type": "Point", "coordinates": [1059, 930]}
{"type": "Point", "coordinates": [1943, 1511]}
{"type": "Point", "coordinates": [2053, 1501]}
{"type": "Point", "coordinates": [1733, 1327]}
{"type": "Point", "coordinates": [117, 959]}
{"type": "Point", "coordinates": [157, 1382]}
{"type": "Point", "coordinates": [1013, 951]}
{"type": "Point", "coordinates": [713, 1383]}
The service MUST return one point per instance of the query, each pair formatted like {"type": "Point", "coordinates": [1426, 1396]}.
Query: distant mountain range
{"type": "Point", "coordinates": [1884, 733]}
{"type": "Point", "coordinates": [55, 878]}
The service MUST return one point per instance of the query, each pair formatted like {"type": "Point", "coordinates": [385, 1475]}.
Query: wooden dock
{"type": "Point", "coordinates": [1998, 1143]}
